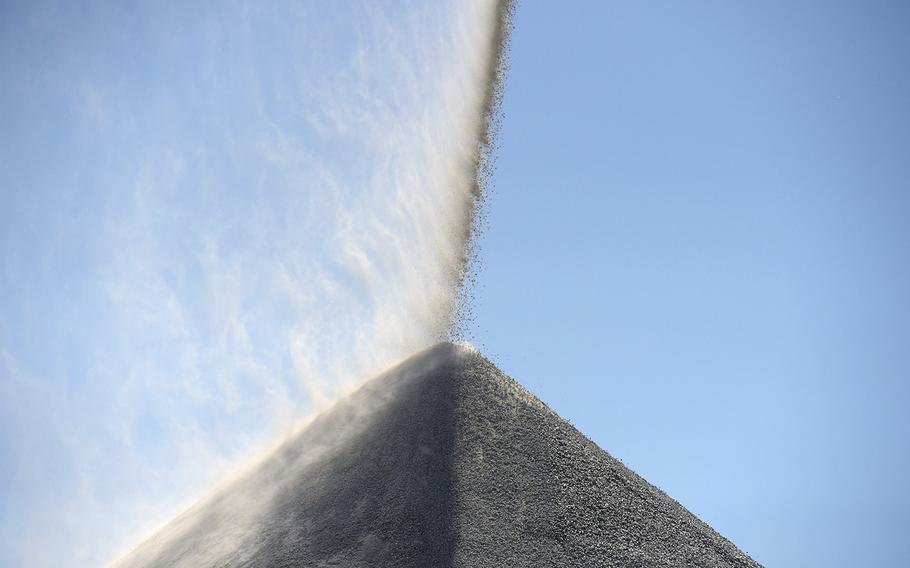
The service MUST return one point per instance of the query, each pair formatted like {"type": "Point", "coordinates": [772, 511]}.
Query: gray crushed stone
{"type": "Point", "coordinates": [441, 461]}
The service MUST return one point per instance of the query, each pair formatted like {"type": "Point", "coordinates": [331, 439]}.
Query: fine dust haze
{"type": "Point", "coordinates": [214, 219]}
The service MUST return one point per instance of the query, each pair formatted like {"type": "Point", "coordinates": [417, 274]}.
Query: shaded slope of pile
{"type": "Point", "coordinates": [442, 461]}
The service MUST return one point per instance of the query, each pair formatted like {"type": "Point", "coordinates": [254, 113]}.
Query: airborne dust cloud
{"type": "Point", "coordinates": [214, 219]}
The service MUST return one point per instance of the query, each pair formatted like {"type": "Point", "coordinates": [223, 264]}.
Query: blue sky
{"type": "Point", "coordinates": [214, 216]}
{"type": "Point", "coordinates": [697, 252]}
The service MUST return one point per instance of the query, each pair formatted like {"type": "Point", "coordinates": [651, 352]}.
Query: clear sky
{"type": "Point", "coordinates": [698, 251]}
{"type": "Point", "coordinates": [214, 214]}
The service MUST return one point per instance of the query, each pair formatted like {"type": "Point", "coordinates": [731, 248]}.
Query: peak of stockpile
{"type": "Point", "coordinates": [440, 461]}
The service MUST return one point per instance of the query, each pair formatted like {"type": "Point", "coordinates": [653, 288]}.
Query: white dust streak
{"type": "Point", "coordinates": [247, 212]}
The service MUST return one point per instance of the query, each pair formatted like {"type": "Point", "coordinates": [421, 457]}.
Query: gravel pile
{"type": "Point", "coordinates": [441, 461]}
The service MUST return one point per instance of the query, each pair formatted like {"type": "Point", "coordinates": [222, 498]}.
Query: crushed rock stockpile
{"type": "Point", "coordinates": [441, 461]}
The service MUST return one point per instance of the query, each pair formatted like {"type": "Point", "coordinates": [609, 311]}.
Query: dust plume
{"type": "Point", "coordinates": [214, 218]}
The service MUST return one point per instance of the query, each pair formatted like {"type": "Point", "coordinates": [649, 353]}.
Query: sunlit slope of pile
{"type": "Point", "coordinates": [441, 461]}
